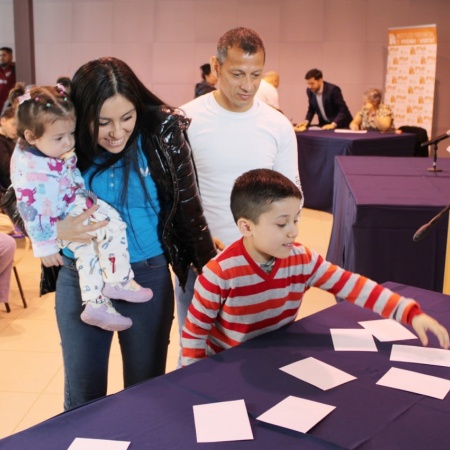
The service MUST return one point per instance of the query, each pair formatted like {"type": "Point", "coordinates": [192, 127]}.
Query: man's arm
{"type": "Point", "coordinates": [286, 160]}
{"type": "Point", "coordinates": [342, 114]}
{"type": "Point", "coordinates": [312, 106]}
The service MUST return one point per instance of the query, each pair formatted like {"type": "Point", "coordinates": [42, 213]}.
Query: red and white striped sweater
{"type": "Point", "coordinates": [235, 300]}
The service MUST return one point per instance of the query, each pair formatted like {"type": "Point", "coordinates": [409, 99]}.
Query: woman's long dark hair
{"type": "Point", "coordinates": [93, 84]}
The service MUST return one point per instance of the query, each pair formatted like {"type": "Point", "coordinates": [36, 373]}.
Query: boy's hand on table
{"type": "Point", "coordinates": [424, 323]}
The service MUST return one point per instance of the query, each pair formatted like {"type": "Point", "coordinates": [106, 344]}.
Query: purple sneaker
{"type": "Point", "coordinates": [129, 291]}
{"type": "Point", "coordinates": [105, 316]}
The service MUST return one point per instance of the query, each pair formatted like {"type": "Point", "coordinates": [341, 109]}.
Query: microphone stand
{"type": "Point", "coordinates": [424, 229]}
{"type": "Point", "coordinates": [434, 168]}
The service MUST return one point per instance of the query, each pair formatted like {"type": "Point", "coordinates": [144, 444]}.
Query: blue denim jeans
{"type": "Point", "coordinates": [184, 299]}
{"type": "Point", "coordinates": [86, 348]}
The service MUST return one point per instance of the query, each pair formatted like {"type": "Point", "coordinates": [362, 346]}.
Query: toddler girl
{"type": "Point", "coordinates": [49, 186]}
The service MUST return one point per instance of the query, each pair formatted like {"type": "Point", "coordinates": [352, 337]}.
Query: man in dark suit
{"type": "Point", "coordinates": [325, 100]}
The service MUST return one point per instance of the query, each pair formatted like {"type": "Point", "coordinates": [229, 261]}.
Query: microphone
{"type": "Point", "coordinates": [424, 229]}
{"type": "Point", "coordinates": [436, 140]}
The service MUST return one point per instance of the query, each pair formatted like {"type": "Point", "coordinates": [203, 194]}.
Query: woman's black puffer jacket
{"type": "Point", "coordinates": [184, 231]}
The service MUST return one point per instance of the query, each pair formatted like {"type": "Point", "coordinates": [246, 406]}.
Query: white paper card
{"type": "Point", "coordinates": [421, 355]}
{"type": "Point", "coordinates": [296, 413]}
{"type": "Point", "coordinates": [223, 421]}
{"type": "Point", "coordinates": [317, 373]}
{"type": "Point", "coordinates": [406, 380]}
{"type": "Point", "coordinates": [388, 330]}
{"type": "Point", "coordinates": [344, 130]}
{"type": "Point", "coordinates": [98, 444]}
{"type": "Point", "coordinates": [353, 340]}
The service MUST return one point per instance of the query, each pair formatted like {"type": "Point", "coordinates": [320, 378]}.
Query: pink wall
{"type": "Point", "coordinates": [165, 41]}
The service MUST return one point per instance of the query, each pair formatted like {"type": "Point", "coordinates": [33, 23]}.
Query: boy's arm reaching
{"type": "Point", "coordinates": [368, 294]}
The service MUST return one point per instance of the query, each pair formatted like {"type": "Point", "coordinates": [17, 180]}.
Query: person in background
{"type": "Point", "coordinates": [232, 131]}
{"type": "Point", "coordinates": [256, 285]}
{"type": "Point", "coordinates": [12, 101]}
{"type": "Point", "coordinates": [268, 89]}
{"type": "Point", "coordinates": [325, 100]}
{"type": "Point", "coordinates": [133, 154]}
{"type": "Point", "coordinates": [374, 115]}
{"type": "Point", "coordinates": [7, 74]}
{"type": "Point", "coordinates": [208, 83]}
{"type": "Point", "coordinates": [8, 136]}
{"type": "Point", "coordinates": [7, 252]}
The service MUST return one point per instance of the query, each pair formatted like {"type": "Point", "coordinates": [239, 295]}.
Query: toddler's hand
{"type": "Point", "coordinates": [423, 323]}
{"type": "Point", "coordinates": [218, 244]}
{"type": "Point", "coordinates": [52, 260]}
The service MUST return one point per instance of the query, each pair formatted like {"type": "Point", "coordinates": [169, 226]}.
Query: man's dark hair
{"type": "Point", "coordinates": [206, 70]}
{"type": "Point", "coordinates": [244, 38]}
{"type": "Point", "coordinates": [6, 49]}
{"type": "Point", "coordinates": [314, 73]}
{"type": "Point", "coordinates": [254, 192]}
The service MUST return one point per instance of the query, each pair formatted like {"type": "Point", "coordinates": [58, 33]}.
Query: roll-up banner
{"type": "Point", "coordinates": [411, 75]}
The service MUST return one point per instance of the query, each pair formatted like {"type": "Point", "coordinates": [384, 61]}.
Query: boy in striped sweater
{"type": "Point", "coordinates": [257, 284]}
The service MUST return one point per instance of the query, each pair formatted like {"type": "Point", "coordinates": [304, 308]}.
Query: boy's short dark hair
{"type": "Point", "coordinates": [254, 191]}
{"type": "Point", "coordinates": [314, 73]}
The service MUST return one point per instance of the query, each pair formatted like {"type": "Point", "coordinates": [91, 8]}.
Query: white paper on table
{"type": "Point", "coordinates": [317, 373]}
{"type": "Point", "coordinates": [354, 340]}
{"type": "Point", "coordinates": [388, 330]}
{"type": "Point", "coordinates": [296, 413]}
{"type": "Point", "coordinates": [420, 355]}
{"type": "Point", "coordinates": [98, 444]}
{"type": "Point", "coordinates": [406, 380]}
{"type": "Point", "coordinates": [345, 130]}
{"type": "Point", "coordinates": [222, 421]}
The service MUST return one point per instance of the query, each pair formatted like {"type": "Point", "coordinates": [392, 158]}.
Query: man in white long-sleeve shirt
{"type": "Point", "coordinates": [232, 132]}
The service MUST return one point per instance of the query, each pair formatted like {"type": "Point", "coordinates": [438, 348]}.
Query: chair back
{"type": "Point", "coordinates": [421, 137]}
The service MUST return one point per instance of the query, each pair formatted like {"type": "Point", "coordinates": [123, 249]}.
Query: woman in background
{"type": "Point", "coordinates": [8, 136]}
{"type": "Point", "coordinates": [374, 115]}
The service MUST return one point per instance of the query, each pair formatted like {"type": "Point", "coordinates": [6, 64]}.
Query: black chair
{"type": "Point", "coordinates": [421, 137]}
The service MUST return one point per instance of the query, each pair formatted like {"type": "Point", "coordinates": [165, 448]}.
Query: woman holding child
{"type": "Point", "coordinates": [133, 154]}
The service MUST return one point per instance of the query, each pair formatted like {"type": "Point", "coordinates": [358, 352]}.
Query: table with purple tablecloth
{"type": "Point", "coordinates": [157, 414]}
{"type": "Point", "coordinates": [379, 204]}
{"type": "Point", "coordinates": [318, 148]}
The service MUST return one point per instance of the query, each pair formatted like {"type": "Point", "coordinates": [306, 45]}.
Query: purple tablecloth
{"type": "Point", "coordinates": [379, 203]}
{"type": "Point", "coordinates": [317, 150]}
{"type": "Point", "coordinates": [158, 414]}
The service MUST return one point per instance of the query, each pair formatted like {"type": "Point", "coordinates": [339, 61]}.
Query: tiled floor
{"type": "Point", "coordinates": [31, 374]}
